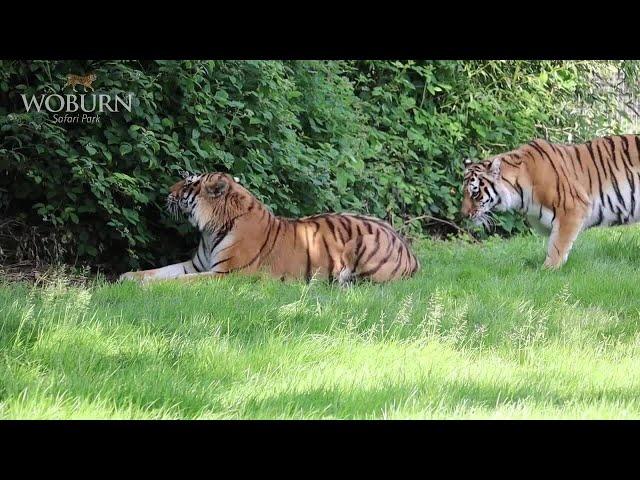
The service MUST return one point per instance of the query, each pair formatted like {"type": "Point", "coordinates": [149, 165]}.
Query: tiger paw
{"type": "Point", "coordinates": [346, 277]}
{"type": "Point", "coordinates": [551, 265]}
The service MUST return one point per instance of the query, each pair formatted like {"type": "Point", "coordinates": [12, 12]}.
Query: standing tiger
{"type": "Point", "coordinates": [239, 234]}
{"type": "Point", "coordinates": [562, 189]}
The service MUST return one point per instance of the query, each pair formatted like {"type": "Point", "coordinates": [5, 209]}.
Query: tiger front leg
{"type": "Point", "coordinates": [170, 271]}
{"type": "Point", "coordinates": [563, 233]}
{"type": "Point", "coordinates": [190, 277]}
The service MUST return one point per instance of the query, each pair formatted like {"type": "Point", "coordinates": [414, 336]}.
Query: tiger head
{"type": "Point", "coordinates": [210, 201]}
{"type": "Point", "coordinates": [484, 190]}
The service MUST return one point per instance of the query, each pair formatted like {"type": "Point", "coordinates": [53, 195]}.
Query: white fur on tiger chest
{"type": "Point", "coordinates": [221, 251]}
{"type": "Point", "coordinates": [213, 257]}
{"type": "Point", "coordinates": [540, 218]}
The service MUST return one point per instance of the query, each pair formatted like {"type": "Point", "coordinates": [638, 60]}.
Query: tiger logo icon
{"type": "Point", "coordinates": [84, 80]}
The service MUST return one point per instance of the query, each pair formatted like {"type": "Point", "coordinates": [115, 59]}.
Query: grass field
{"type": "Point", "coordinates": [481, 332]}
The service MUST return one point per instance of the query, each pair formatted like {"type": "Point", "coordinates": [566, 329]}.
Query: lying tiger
{"type": "Point", "coordinates": [239, 234]}
{"type": "Point", "coordinates": [562, 189]}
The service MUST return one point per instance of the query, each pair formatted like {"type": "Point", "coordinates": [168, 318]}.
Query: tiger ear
{"type": "Point", "coordinates": [216, 188]}
{"type": "Point", "coordinates": [494, 169]}
{"type": "Point", "coordinates": [467, 162]}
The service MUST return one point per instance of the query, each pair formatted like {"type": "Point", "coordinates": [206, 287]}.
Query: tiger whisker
{"type": "Point", "coordinates": [487, 221]}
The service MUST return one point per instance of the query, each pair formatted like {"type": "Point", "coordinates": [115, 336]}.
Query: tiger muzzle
{"type": "Point", "coordinates": [467, 209]}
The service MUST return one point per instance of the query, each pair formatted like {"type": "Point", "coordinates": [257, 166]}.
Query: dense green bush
{"type": "Point", "coordinates": [381, 137]}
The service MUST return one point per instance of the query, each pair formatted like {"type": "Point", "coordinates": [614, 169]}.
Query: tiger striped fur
{"type": "Point", "coordinates": [239, 234]}
{"type": "Point", "coordinates": [562, 189]}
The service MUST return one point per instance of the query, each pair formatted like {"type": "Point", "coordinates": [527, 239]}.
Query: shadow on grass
{"type": "Point", "coordinates": [438, 397]}
{"type": "Point", "coordinates": [189, 383]}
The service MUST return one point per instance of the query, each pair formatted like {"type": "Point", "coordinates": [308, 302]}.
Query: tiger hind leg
{"type": "Point", "coordinates": [346, 277]}
{"type": "Point", "coordinates": [355, 254]}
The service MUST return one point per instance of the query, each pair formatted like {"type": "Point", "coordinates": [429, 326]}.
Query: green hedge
{"type": "Point", "coordinates": [382, 137]}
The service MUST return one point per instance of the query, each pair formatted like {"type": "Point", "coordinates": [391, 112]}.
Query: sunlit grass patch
{"type": "Point", "coordinates": [481, 332]}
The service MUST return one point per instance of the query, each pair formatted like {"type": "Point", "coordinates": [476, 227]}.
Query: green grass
{"type": "Point", "coordinates": [481, 332]}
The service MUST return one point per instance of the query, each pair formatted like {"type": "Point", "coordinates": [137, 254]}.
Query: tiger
{"type": "Point", "coordinates": [562, 189]}
{"type": "Point", "coordinates": [84, 80]}
{"type": "Point", "coordinates": [238, 233]}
